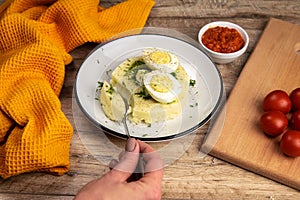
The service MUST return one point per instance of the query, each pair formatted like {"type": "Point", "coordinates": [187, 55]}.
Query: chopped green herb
{"type": "Point", "coordinates": [133, 69]}
{"type": "Point", "coordinates": [172, 102]}
{"type": "Point", "coordinates": [144, 135]}
{"type": "Point", "coordinates": [192, 82]}
{"type": "Point", "coordinates": [143, 94]}
{"type": "Point", "coordinates": [196, 104]}
{"type": "Point", "coordinates": [110, 90]}
{"type": "Point", "coordinates": [99, 87]}
{"type": "Point", "coordinates": [100, 84]}
{"type": "Point", "coordinates": [174, 74]}
{"type": "Point", "coordinates": [136, 64]}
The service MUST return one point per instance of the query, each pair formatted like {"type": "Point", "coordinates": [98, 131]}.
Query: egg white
{"type": "Point", "coordinates": [162, 96]}
{"type": "Point", "coordinates": [154, 64]}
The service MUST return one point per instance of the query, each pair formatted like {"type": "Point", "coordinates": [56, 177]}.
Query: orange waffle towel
{"type": "Point", "coordinates": [35, 38]}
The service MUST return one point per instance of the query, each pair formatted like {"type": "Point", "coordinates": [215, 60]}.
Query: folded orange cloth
{"type": "Point", "coordinates": [35, 38]}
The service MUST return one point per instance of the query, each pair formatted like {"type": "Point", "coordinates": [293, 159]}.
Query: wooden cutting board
{"type": "Point", "coordinates": [236, 136]}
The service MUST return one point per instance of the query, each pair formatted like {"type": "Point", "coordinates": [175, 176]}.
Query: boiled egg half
{"type": "Point", "coordinates": [162, 86]}
{"type": "Point", "coordinates": [160, 59]}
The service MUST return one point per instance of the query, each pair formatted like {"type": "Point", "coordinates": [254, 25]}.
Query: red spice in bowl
{"type": "Point", "coordinates": [223, 39]}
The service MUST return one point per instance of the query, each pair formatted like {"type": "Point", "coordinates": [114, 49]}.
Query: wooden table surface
{"type": "Point", "coordinates": [190, 176]}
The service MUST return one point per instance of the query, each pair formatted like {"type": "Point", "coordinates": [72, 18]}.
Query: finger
{"type": "Point", "coordinates": [112, 164]}
{"type": "Point", "coordinates": [152, 179]}
{"type": "Point", "coordinates": [130, 145]}
{"type": "Point", "coordinates": [151, 158]}
{"type": "Point", "coordinates": [121, 154]}
{"type": "Point", "coordinates": [122, 171]}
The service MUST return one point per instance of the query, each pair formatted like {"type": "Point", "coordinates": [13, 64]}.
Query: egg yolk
{"type": "Point", "coordinates": [161, 84]}
{"type": "Point", "coordinates": [160, 57]}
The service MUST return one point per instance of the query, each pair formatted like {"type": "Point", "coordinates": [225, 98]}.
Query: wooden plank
{"type": "Point", "coordinates": [274, 64]}
{"type": "Point", "coordinates": [189, 177]}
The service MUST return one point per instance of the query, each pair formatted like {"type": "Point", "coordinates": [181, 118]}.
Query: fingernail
{"type": "Point", "coordinates": [112, 163]}
{"type": "Point", "coordinates": [130, 145]}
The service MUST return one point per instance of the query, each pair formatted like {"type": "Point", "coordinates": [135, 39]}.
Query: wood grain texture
{"type": "Point", "coordinates": [189, 177]}
{"type": "Point", "coordinates": [274, 64]}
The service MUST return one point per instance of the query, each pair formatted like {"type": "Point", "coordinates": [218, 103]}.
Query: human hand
{"type": "Point", "coordinates": [115, 185]}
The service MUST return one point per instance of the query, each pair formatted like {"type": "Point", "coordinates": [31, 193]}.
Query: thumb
{"type": "Point", "coordinates": [128, 162]}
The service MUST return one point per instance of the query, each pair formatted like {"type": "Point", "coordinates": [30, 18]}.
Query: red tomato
{"type": "Point", "coordinates": [277, 100]}
{"type": "Point", "coordinates": [290, 143]}
{"type": "Point", "coordinates": [273, 122]}
{"type": "Point", "coordinates": [295, 120]}
{"type": "Point", "coordinates": [295, 99]}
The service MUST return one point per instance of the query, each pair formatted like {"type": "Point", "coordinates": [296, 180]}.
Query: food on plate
{"type": "Point", "coordinates": [162, 86]}
{"type": "Point", "coordinates": [223, 39]}
{"type": "Point", "coordinates": [295, 120]}
{"type": "Point", "coordinates": [295, 99]}
{"type": "Point", "coordinates": [111, 102]}
{"type": "Point", "coordinates": [277, 100]}
{"type": "Point", "coordinates": [159, 59]}
{"type": "Point", "coordinates": [154, 83]}
{"type": "Point", "coordinates": [290, 143]}
{"type": "Point", "coordinates": [273, 123]}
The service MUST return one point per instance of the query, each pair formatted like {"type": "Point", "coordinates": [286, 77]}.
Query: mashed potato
{"type": "Point", "coordinates": [127, 79]}
{"type": "Point", "coordinates": [111, 102]}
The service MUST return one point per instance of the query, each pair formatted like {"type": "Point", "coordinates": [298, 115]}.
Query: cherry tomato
{"type": "Point", "coordinates": [295, 99]}
{"type": "Point", "coordinates": [277, 100]}
{"type": "Point", "coordinates": [290, 143]}
{"type": "Point", "coordinates": [273, 122]}
{"type": "Point", "coordinates": [295, 120]}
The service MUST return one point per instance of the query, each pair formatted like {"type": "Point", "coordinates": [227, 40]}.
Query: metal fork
{"type": "Point", "coordinates": [140, 168]}
{"type": "Point", "coordinates": [124, 120]}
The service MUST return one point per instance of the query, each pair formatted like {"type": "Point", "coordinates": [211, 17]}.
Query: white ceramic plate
{"type": "Point", "coordinates": [202, 101]}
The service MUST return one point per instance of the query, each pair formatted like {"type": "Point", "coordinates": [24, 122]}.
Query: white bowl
{"type": "Point", "coordinates": [223, 58]}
